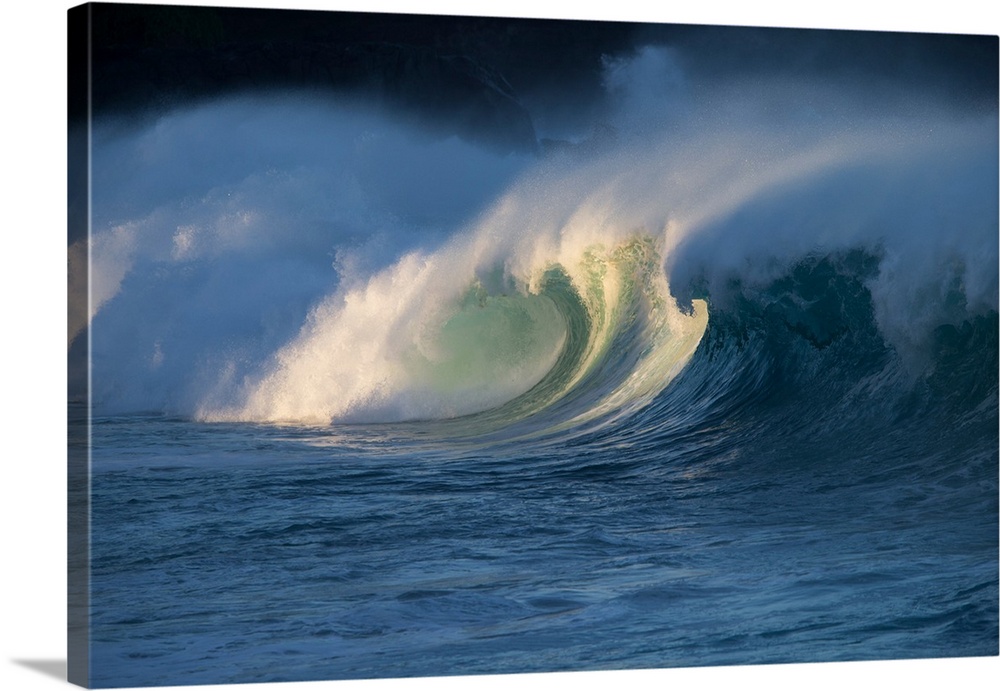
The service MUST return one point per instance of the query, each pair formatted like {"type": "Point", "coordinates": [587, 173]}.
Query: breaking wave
{"type": "Point", "coordinates": [290, 259]}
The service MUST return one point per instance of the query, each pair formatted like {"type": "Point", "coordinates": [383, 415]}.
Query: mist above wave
{"type": "Point", "coordinates": [225, 232]}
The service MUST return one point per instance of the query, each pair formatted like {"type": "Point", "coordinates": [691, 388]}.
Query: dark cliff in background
{"type": "Point", "coordinates": [488, 79]}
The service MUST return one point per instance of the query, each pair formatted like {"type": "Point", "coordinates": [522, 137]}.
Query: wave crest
{"type": "Point", "coordinates": [432, 338]}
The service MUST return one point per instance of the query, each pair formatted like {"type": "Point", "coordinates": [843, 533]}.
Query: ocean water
{"type": "Point", "coordinates": [370, 401]}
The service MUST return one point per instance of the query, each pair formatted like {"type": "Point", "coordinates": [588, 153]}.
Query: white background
{"type": "Point", "coordinates": [33, 374]}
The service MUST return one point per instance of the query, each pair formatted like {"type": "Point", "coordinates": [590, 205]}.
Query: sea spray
{"type": "Point", "coordinates": [317, 238]}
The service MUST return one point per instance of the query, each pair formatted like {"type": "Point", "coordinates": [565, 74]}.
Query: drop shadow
{"type": "Point", "coordinates": [50, 668]}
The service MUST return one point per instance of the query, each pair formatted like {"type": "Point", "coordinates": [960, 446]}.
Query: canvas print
{"type": "Point", "coordinates": [413, 345]}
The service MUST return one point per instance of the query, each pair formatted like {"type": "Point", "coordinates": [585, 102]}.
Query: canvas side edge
{"type": "Point", "coordinates": [78, 344]}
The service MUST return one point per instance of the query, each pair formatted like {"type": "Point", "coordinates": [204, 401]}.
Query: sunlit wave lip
{"type": "Point", "coordinates": [598, 337]}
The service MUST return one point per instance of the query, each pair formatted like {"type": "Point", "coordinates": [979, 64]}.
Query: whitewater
{"type": "Point", "coordinates": [366, 400]}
